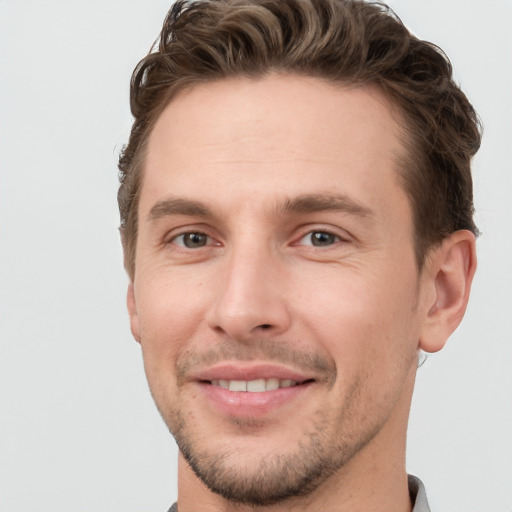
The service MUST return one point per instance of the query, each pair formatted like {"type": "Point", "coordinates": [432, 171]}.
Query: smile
{"type": "Point", "coordinates": [254, 386]}
{"type": "Point", "coordinates": [251, 389]}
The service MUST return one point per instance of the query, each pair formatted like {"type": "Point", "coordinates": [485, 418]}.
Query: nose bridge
{"type": "Point", "coordinates": [251, 297]}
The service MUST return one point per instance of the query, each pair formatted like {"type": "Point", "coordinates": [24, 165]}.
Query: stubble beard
{"type": "Point", "coordinates": [334, 437]}
{"type": "Point", "coordinates": [274, 478]}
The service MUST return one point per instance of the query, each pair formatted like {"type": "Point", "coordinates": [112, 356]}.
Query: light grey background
{"type": "Point", "coordinates": [78, 429]}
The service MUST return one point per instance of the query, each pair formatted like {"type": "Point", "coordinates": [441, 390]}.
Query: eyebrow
{"type": "Point", "coordinates": [308, 203]}
{"type": "Point", "coordinates": [178, 206]}
{"type": "Point", "coordinates": [325, 202]}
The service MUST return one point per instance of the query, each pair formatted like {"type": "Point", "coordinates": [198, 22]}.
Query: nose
{"type": "Point", "coordinates": [251, 300]}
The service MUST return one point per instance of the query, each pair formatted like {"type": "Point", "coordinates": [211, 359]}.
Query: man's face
{"type": "Point", "coordinates": [276, 295]}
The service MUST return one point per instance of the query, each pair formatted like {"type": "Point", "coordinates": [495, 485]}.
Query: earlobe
{"type": "Point", "coordinates": [451, 269]}
{"type": "Point", "coordinates": [132, 311]}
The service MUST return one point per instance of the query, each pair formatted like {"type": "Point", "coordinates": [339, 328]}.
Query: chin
{"type": "Point", "coordinates": [256, 470]}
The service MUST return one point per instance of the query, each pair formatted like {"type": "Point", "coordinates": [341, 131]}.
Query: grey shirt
{"type": "Point", "coordinates": [416, 490]}
{"type": "Point", "coordinates": [418, 495]}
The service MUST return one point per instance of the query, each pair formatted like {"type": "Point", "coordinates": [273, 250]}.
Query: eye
{"type": "Point", "coordinates": [319, 239]}
{"type": "Point", "coordinates": [192, 240]}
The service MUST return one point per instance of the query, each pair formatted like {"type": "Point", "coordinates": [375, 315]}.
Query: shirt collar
{"type": "Point", "coordinates": [418, 495]}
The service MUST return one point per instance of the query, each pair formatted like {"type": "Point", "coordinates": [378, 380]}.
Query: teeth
{"type": "Point", "coordinates": [254, 386]}
{"type": "Point", "coordinates": [272, 384]}
{"type": "Point", "coordinates": [237, 385]}
{"type": "Point", "coordinates": [223, 383]}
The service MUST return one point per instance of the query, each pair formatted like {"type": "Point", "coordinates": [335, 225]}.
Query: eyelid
{"type": "Point", "coordinates": [183, 230]}
{"type": "Point", "coordinates": [183, 235]}
{"type": "Point", "coordinates": [339, 233]}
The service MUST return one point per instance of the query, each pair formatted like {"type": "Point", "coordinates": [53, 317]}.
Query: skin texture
{"type": "Point", "coordinates": [275, 239]}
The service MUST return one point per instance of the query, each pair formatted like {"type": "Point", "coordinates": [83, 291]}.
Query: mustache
{"type": "Point", "coordinates": [308, 362]}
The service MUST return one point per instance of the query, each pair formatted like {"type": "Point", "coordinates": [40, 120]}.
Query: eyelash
{"type": "Point", "coordinates": [183, 236]}
{"type": "Point", "coordinates": [329, 239]}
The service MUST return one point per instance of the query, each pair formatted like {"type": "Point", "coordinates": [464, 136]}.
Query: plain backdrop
{"type": "Point", "coordinates": [78, 429]}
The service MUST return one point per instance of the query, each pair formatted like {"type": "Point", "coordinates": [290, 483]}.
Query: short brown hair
{"type": "Point", "coordinates": [344, 41]}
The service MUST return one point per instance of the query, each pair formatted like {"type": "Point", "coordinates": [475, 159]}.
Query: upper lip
{"type": "Point", "coordinates": [248, 371]}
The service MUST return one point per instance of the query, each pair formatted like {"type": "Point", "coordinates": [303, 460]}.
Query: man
{"type": "Point", "coordinates": [296, 215]}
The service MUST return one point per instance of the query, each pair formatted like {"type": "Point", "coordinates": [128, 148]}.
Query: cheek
{"type": "Point", "coordinates": [362, 317]}
{"type": "Point", "coordinates": [170, 312]}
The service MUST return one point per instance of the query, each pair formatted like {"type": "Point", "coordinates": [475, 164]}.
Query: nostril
{"type": "Point", "coordinates": [265, 326]}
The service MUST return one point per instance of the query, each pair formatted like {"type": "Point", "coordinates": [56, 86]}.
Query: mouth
{"type": "Point", "coordinates": [256, 385]}
{"type": "Point", "coordinates": [252, 390]}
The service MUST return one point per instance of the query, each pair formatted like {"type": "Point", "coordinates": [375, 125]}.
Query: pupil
{"type": "Point", "coordinates": [321, 238]}
{"type": "Point", "coordinates": [193, 240]}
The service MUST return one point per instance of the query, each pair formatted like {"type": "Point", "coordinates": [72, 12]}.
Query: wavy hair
{"type": "Point", "coordinates": [344, 41]}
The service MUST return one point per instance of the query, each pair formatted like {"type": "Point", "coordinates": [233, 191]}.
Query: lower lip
{"type": "Point", "coordinates": [247, 404]}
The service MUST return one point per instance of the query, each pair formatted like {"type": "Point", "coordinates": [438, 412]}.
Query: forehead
{"type": "Point", "coordinates": [280, 133]}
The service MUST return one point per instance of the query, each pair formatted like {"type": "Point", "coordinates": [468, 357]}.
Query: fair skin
{"type": "Point", "coordinates": [275, 257]}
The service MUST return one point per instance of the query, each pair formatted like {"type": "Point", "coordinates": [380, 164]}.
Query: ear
{"type": "Point", "coordinates": [132, 311]}
{"type": "Point", "coordinates": [450, 270]}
